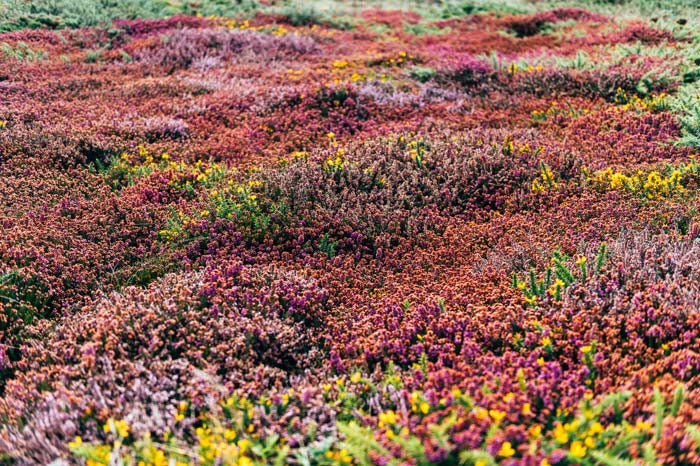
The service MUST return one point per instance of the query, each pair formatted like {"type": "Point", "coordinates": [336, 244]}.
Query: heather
{"type": "Point", "coordinates": [451, 233]}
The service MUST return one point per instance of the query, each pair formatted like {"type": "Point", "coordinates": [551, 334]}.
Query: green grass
{"type": "Point", "coordinates": [56, 14]}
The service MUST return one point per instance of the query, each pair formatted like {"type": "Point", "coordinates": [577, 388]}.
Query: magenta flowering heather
{"type": "Point", "coordinates": [307, 236]}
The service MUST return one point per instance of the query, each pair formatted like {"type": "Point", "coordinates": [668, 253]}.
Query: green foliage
{"type": "Point", "coordinates": [308, 13]}
{"type": "Point", "coordinates": [327, 246]}
{"type": "Point", "coordinates": [56, 14]}
{"type": "Point", "coordinates": [24, 296]}
{"type": "Point", "coordinates": [125, 56]}
{"type": "Point", "coordinates": [609, 460]}
{"type": "Point", "coordinates": [687, 104]}
{"type": "Point", "coordinates": [315, 453]}
{"type": "Point", "coordinates": [230, 426]}
{"type": "Point", "coordinates": [477, 457]}
{"type": "Point", "coordinates": [422, 73]}
{"type": "Point", "coordinates": [557, 276]}
{"type": "Point", "coordinates": [561, 270]}
{"type": "Point", "coordinates": [677, 400]}
{"type": "Point", "coordinates": [422, 29]}
{"type": "Point", "coordinates": [694, 432]}
{"type": "Point", "coordinates": [580, 61]}
{"type": "Point", "coordinates": [600, 258]}
{"type": "Point", "coordinates": [360, 442]}
{"type": "Point", "coordinates": [660, 410]}
{"type": "Point", "coordinates": [93, 56]}
{"type": "Point", "coordinates": [469, 7]}
{"type": "Point", "coordinates": [21, 52]}
{"type": "Point", "coordinates": [652, 80]}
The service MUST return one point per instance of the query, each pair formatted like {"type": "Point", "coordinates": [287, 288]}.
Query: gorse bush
{"type": "Point", "coordinates": [557, 276]}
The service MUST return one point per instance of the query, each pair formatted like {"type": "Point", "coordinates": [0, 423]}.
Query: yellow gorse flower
{"type": "Point", "coordinates": [506, 450]}
{"type": "Point", "coordinates": [560, 434]}
{"type": "Point", "coordinates": [481, 413]}
{"type": "Point", "coordinates": [387, 418]}
{"type": "Point", "coordinates": [424, 408]}
{"type": "Point", "coordinates": [120, 428]}
{"type": "Point", "coordinates": [577, 449]}
{"type": "Point", "coordinates": [497, 415]}
{"type": "Point", "coordinates": [76, 442]}
{"type": "Point", "coordinates": [651, 185]}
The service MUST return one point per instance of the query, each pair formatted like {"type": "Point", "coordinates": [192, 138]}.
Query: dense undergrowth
{"type": "Point", "coordinates": [458, 233]}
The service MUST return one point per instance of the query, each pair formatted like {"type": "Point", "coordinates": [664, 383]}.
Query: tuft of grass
{"type": "Point", "coordinates": [58, 14]}
{"type": "Point", "coordinates": [21, 52]}
{"type": "Point", "coordinates": [422, 73]}
{"type": "Point", "coordinates": [308, 14]}
{"type": "Point", "coordinates": [687, 105]}
{"type": "Point", "coordinates": [423, 29]}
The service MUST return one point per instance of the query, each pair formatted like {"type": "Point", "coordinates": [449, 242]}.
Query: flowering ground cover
{"type": "Point", "coordinates": [252, 234]}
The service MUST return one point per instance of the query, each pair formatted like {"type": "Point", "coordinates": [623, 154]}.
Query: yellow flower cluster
{"type": "Point", "coordinates": [387, 418]}
{"type": "Point", "coordinates": [233, 24]}
{"type": "Point", "coordinates": [532, 69]}
{"type": "Point", "coordinates": [340, 64]}
{"type": "Point", "coordinates": [417, 149]}
{"type": "Point", "coordinates": [120, 428]}
{"type": "Point", "coordinates": [556, 109]}
{"type": "Point", "coordinates": [224, 203]}
{"type": "Point", "coordinates": [335, 162]}
{"type": "Point", "coordinates": [295, 74]}
{"type": "Point", "coordinates": [634, 102]}
{"type": "Point", "coordinates": [579, 437]}
{"type": "Point", "coordinates": [419, 404]}
{"type": "Point", "coordinates": [545, 180]}
{"type": "Point", "coordinates": [218, 445]}
{"type": "Point", "coordinates": [280, 31]}
{"type": "Point", "coordinates": [398, 59]}
{"type": "Point", "coordinates": [339, 457]}
{"type": "Point", "coordinates": [152, 456]}
{"type": "Point", "coordinates": [129, 168]}
{"type": "Point", "coordinates": [651, 185]}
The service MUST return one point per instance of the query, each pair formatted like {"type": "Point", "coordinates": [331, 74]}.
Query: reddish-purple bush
{"type": "Point", "coordinates": [187, 47]}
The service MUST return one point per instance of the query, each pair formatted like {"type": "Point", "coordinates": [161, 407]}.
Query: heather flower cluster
{"type": "Point", "coordinates": [274, 239]}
